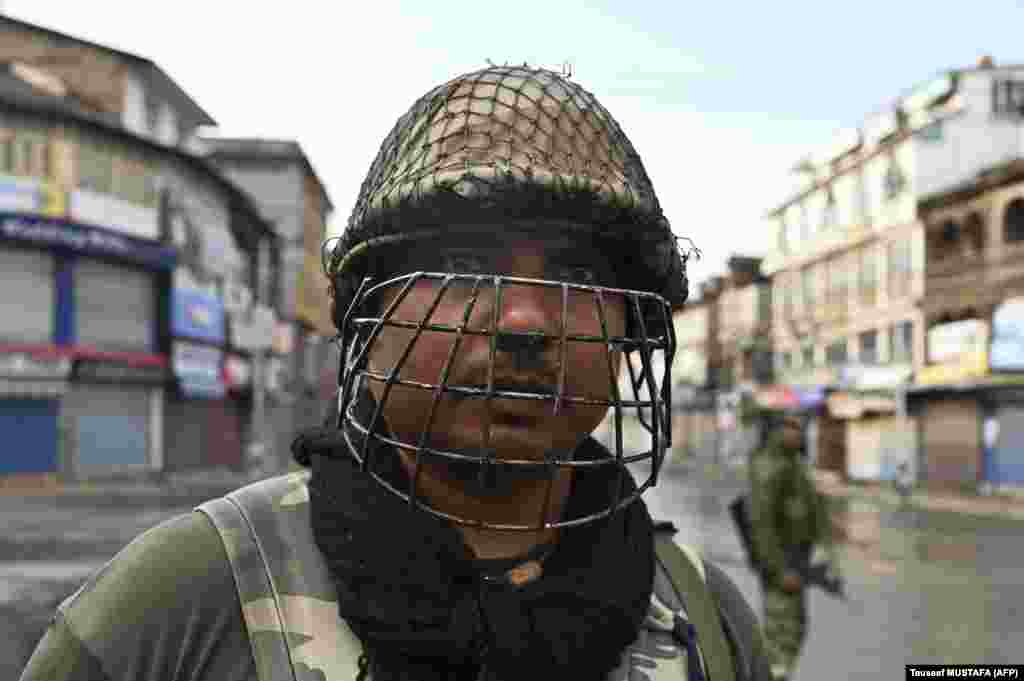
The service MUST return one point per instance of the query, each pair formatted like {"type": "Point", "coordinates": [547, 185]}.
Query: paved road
{"type": "Point", "coordinates": [925, 586]}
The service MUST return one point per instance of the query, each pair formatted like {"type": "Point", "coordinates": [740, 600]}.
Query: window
{"type": "Point", "coordinates": [862, 202]}
{"type": "Point", "coordinates": [869, 347]}
{"type": "Point", "coordinates": [807, 287]}
{"type": "Point", "coordinates": [835, 354]}
{"type": "Point", "coordinates": [794, 236]}
{"type": "Point", "coordinates": [868, 277]}
{"type": "Point", "coordinates": [133, 181]}
{"type": "Point", "coordinates": [808, 357]}
{"type": "Point", "coordinates": [894, 181]}
{"type": "Point", "coordinates": [1013, 221]}
{"type": "Point", "coordinates": [900, 267]}
{"type": "Point", "coordinates": [836, 293]}
{"type": "Point", "coordinates": [26, 153]}
{"type": "Point", "coordinates": [931, 132]}
{"type": "Point", "coordinates": [7, 154]}
{"type": "Point", "coordinates": [95, 168]}
{"type": "Point", "coordinates": [1008, 97]}
{"type": "Point", "coordinates": [785, 297]}
{"type": "Point", "coordinates": [974, 232]}
{"type": "Point", "coordinates": [901, 342]}
{"type": "Point", "coordinates": [828, 213]}
{"type": "Point", "coordinates": [805, 222]}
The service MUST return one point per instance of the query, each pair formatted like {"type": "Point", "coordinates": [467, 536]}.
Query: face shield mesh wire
{"type": "Point", "coordinates": [367, 329]}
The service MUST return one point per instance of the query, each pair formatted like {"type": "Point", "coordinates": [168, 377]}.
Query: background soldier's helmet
{"type": "Point", "coordinates": [525, 149]}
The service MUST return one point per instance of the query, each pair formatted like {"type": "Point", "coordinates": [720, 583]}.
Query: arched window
{"type": "Point", "coordinates": [950, 232]}
{"type": "Point", "coordinates": [1013, 221]}
{"type": "Point", "coordinates": [974, 232]}
{"type": "Point", "coordinates": [894, 181]}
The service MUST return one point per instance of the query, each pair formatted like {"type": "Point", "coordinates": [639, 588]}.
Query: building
{"type": "Point", "coordinates": [303, 370]}
{"type": "Point", "coordinates": [723, 352]}
{"type": "Point", "coordinates": [744, 352]}
{"type": "Point", "coordinates": [117, 250]}
{"type": "Point", "coordinates": [694, 431]}
{"type": "Point", "coordinates": [851, 313]}
{"type": "Point", "coordinates": [970, 394]}
{"type": "Point", "coordinates": [119, 88]}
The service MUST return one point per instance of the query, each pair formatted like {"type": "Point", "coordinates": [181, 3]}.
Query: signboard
{"type": "Point", "coordinates": [253, 330]}
{"type": "Point", "coordinates": [970, 366]}
{"type": "Point", "coordinates": [197, 314]}
{"type": "Point", "coordinates": [957, 352]}
{"type": "Point", "coordinates": [1007, 347]}
{"type": "Point", "coordinates": [845, 405]}
{"type": "Point", "coordinates": [237, 372]}
{"type": "Point", "coordinates": [28, 195]}
{"type": "Point", "coordinates": [25, 366]}
{"type": "Point", "coordinates": [283, 342]}
{"type": "Point", "coordinates": [950, 342]}
{"type": "Point", "coordinates": [94, 370]}
{"type": "Point", "coordinates": [868, 377]}
{"type": "Point", "coordinates": [198, 370]}
{"type": "Point", "coordinates": [123, 217]}
{"type": "Point", "coordinates": [68, 236]}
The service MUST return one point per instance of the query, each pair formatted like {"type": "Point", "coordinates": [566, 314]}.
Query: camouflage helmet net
{"type": "Point", "coordinates": [509, 145]}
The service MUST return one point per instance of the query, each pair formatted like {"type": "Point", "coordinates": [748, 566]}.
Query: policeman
{"type": "Point", "coordinates": [788, 516]}
{"type": "Point", "coordinates": [505, 261]}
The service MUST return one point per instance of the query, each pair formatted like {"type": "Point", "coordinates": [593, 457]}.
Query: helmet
{"type": "Point", "coordinates": [507, 149]}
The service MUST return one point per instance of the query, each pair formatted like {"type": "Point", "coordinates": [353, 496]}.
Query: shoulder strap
{"type": "Point", "coordinates": [253, 583]}
{"type": "Point", "coordinates": [686, 570]}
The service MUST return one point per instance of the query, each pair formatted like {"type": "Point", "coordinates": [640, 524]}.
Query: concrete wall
{"type": "Point", "coordinates": [276, 191]}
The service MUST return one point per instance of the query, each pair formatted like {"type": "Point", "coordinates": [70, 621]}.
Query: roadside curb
{"type": "Point", "coordinates": [1001, 506]}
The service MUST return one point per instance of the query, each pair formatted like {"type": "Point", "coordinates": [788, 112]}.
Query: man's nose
{"type": "Point", "coordinates": [525, 314]}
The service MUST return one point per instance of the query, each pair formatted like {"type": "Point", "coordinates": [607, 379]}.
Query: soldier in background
{"type": "Point", "coordinates": [789, 517]}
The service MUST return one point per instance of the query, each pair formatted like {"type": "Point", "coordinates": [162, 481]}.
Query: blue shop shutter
{"type": "Point", "coordinates": [29, 431]}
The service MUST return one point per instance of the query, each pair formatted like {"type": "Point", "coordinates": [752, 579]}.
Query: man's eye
{"type": "Point", "coordinates": [577, 274]}
{"type": "Point", "coordinates": [462, 264]}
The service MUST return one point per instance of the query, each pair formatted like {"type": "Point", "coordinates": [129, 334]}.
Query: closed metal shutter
{"type": "Point", "coordinates": [1006, 466]}
{"type": "Point", "coordinates": [864, 444]}
{"type": "Point", "coordinates": [115, 306]}
{"type": "Point", "coordinates": [111, 428]}
{"type": "Point", "coordinates": [29, 429]}
{"type": "Point", "coordinates": [27, 299]}
{"type": "Point", "coordinates": [951, 442]}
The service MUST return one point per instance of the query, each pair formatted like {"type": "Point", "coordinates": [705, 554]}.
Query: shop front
{"type": "Point", "coordinates": [207, 430]}
{"type": "Point", "coordinates": [879, 434]}
{"type": "Point", "coordinates": [1003, 430]}
{"type": "Point", "coordinates": [945, 398]}
{"type": "Point", "coordinates": [85, 300]}
{"type": "Point", "coordinates": [31, 386]}
{"type": "Point", "coordinates": [114, 414]}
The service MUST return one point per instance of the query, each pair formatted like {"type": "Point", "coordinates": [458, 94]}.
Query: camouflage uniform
{"type": "Point", "coordinates": [788, 517]}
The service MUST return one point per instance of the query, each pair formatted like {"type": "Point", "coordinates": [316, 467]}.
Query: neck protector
{"type": "Point", "coordinates": [408, 586]}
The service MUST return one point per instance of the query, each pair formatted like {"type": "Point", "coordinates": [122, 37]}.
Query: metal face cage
{"type": "Point", "coordinates": [649, 333]}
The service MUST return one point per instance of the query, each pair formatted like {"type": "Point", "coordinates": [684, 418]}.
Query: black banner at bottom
{"type": "Point", "coordinates": [965, 671]}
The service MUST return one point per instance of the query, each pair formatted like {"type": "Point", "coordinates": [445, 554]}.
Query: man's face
{"type": "Point", "coordinates": [511, 428]}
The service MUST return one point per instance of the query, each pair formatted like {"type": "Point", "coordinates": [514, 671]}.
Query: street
{"type": "Point", "coordinates": [924, 587]}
